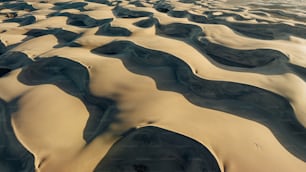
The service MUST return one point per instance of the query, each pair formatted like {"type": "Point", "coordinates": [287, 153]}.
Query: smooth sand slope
{"type": "Point", "coordinates": [152, 85]}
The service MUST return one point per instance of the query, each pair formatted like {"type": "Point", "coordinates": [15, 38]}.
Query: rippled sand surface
{"type": "Point", "coordinates": [152, 85]}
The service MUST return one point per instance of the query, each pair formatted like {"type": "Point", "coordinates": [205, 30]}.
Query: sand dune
{"type": "Point", "coordinates": [155, 85]}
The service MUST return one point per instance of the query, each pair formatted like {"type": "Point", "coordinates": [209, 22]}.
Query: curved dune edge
{"type": "Point", "coordinates": [165, 151]}
{"type": "Point", "coordinates": [78, 77]}
{"type": "Point", "coordinates": [119, 127]}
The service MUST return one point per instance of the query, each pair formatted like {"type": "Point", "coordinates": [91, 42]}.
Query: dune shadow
{"type": "Point", "coordinates": [197, 18]}
{"type": "Point", "coordinates": [106, 2]}
{"type": "Point", "coordinates": [22, 21]}
{"type": "Point", "coordinates": [69, 76]}
{"type": "Point", "coordinates": [81, 20]}
{"type": "Point", "coordinates": [16, 6]}
{"type": "Point", "coordinates": [13, 156]}
{"type": "Point", "coordinates": [127, 13]}
{"type": "Point", "coordinates": [14, 59]}
{"type": "Point", "coordinates": [2, 48]}
{"type": "Point", "coordinates": [108, 30]}
{"type": "Point", "coordinates": [70, 5]}
{"type": "Point", "coordinates": [240, 58]}
{"type": "Point", "coordinates": [283, 14]}
{"type": "Point", "coordinates": [137, 3]}
{"type": "Point", "coordinates": [155, 149]}
{"type": "Point", "coordinates": [178, 13]}
{"type": "Point", "coordinates": [64, 37]}
{"type": "Point", "coordinates": [270, 61]}
{"type": "Point", "coordinates": [73, 78]}
{"type": "Point", "coordinates": [4, 71]}
{"type": "Point", "coordinates": [146, 23]}
{"type": "Point", "coordinates": [300, 71]}
{"type": "Point", "coordinates": [11, 14]}
{"type": "Point", "coordinates": [172, 74]}
{"type": "Point", "coordinates": [275, 5]}
{"type": "Point", "coordinates": [187, 1]}
{"type": "Point", "coordinates": [264, 31]}
{"type": "Point", "coordinates": [178, 30]}
{"type": "Point", "coordinates": [272, 31]}
{"type": "Point", "coordinates": [11, 60]}
{"type": "Point", "coordinates": [163, 6]}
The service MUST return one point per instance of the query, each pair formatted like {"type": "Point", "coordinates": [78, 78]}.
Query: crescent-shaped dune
{"type": "Point", "coordinates": [152, 85]}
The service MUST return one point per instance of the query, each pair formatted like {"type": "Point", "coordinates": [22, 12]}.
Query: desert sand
{"type": "Point", "coordinates": [152, 85]}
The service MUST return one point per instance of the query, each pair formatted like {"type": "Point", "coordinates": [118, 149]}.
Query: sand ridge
{"type": "Point", "coordinates": [84, 83]}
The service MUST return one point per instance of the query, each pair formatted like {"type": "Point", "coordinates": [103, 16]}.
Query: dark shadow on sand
{"type": "Point", "coordinates": [108, 30]}
{"type": "Point", "coordinates": [2, 48]}
{"type": "Point", "coordinates": [137, 3]}
{"type": "Point", "coordinates": [269, 61]}
{"type": "Point", "coordinates": [271, 31]}
{"type": "Point", "coordinates": [106, 2]}
{"type": "Point", "coordinates": [154, 149]}
{"type": "Point", "coordinates": [239, 58]}
{"type": "Point", "coordinates": [73, 78]}
{"type": "Point", "coordinates": [64, 37]}
{"type": "Point", "coordinates": [172, 74]}
{"type": "Point", "coordinates": [127, 13]}
{"type": "Point", "coordinates": [300, 71]}
{"type": "Point", "coordinates": [146, 23]}
{"type": "Point", "coordinates": [17, 6]}
{"type": "Point", "coordinates": [14, 59]}
{"type": "Point", "coordinates": [81, 20]}
{"type": "Point", "coordinates": [70, 5]}
{"type": "Point", "coordinates": [22, 21]}
{"type": "Point", "coordinates": [163, 6]}
{"type": "Point", "coordinates": [4, 71]}
{"type": "Point", "coordinates": [13, 156]}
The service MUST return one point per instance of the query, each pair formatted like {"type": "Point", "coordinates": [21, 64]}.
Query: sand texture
{"type": "Point", "coordinates": [152, 86]}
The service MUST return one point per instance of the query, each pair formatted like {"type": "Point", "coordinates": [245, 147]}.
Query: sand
{"type": "Point", "coordinates": [156, 85]}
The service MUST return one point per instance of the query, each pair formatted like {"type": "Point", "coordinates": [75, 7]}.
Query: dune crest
{"type": "Point", "coordinates": [155, 85]}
